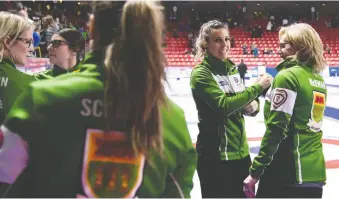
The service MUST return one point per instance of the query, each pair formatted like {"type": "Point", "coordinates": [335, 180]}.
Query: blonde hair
{"type": "Point", "coordinates": [309, 45]}
{"type": "Point", "coordinates": [11, 26]}
{"type": "Point", "coordinates": [134, 69]}
{"type": "Point", "coordinates": [204, 35]}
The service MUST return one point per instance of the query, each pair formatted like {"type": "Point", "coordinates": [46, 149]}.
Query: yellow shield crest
{"type": "Point", "coordinates": [110, 168]}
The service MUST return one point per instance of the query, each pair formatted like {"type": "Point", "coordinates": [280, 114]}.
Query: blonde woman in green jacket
{"type": "Point", "coordinates": [291, 162]}
{"type": "Point", "coordinates": [15, 41]}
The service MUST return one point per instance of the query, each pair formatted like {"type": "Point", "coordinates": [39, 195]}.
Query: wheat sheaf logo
{"type": "Point", "coordinates": [279, 98]}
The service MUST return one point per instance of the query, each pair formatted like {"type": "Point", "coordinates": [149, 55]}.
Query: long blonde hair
{"type": "Point", "coordinates": [134, 69]}
{"type": "Point", "coordinates": [11, 26]}
{"type": "Point", "coordinates": [204, 35]}
{"type": "Point", "coordinates": [308, 43]}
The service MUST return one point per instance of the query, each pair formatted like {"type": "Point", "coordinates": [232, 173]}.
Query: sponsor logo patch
{"type": "Point", "coordinates": [236, 80]}
{"type": "Point", "coordinates": [317, 112]}
{"type": "Point", "coordinates": [222, 83]}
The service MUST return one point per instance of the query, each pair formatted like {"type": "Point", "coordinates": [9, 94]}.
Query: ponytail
{"type": "Point", "coordinates": [134, 69]}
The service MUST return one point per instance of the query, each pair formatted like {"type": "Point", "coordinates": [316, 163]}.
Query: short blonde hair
{"type": "Point", "coordinates": [309, 45]}
{"type": "Point", "coordinates": [11, 26]}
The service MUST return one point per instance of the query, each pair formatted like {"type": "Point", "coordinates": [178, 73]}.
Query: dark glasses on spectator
{"type": "Point", "coordinates": [57, 43]}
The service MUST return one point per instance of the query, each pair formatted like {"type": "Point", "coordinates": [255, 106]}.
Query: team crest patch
{"type": "Point", "coordinates": [110, 169]}
{"type": "Point", "coordinates": [279, 98]}
{"type": "Point", "coordinates": [317, 112]}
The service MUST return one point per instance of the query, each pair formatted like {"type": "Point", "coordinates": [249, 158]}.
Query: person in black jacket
{"type": "Point", "coordinates": [242, 69]}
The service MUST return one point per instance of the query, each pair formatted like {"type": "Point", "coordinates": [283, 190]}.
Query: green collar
{"type": "Point", "coordinates": [286, 64]}
{"type": "Point", "coordinates": [8, 62]}
{"type": "Point", "coordinates": [56, 71]}
{"type": "Point", "coordinates": [217, 63]}
{"type": "Point", "coordinates": [94, 57]}
{"type": "Point", "coordinates": [94, 61]}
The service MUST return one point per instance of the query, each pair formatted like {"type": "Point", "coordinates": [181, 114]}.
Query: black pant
{"type": "Point", "coordinates": [223, 179]}
{"type": "Point", "coordinates": [243, 79]}
{"type": "Point", "coordinates": [276, 190]}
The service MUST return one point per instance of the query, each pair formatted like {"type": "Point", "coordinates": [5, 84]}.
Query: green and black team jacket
{"type": "Point", "coordinates": [12, 84]}
{"type": "Point", "coordinates": [291, 151]}
{"type": "Point", "coordinates": [220, 95]}
{"type": "Point", "coordinates": [56, 71]}
{"type": "Point", "coordinates": [74, 156]}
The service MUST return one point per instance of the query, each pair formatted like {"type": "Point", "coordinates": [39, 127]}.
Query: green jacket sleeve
{"type": "Point", "coordinates": [284, 93]}
{"type": "Point", "coordinates": [203, 85]}
{"type": "Point", "coordinates": [179, 183]}
{"type": "Point", "coordinates": [18, 82]}
{"type": "Point", "coordinates": [23, 116]}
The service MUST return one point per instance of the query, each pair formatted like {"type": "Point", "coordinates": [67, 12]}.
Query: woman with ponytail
{"type": "Point", "coordinates": [116, 135]}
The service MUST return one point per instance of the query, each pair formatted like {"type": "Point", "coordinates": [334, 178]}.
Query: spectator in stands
{"type": "Point", "coordinates": [255, 51]}
{"type": "Point", "coordinates": [259, 31]}
{"type": "Point", "coordinates": [328, 24]}
{"type": "Point", "coordinates": [269, 26]}
{"type": "Point", "coordinates": [284, 22]}
{"type": "Point", "coordinates": [221, 100]}
{"type": "Point", "coordinates": [291, 163]}
{"type": "Point", "coordinates": [265, 51]}
{"type": "Point", "coordinates": [49, 28]}
{"type": "Point", "coordinates": [36, 39]}
{"type": "Point", "coordinates": [142, 145]}
{"type": "Point", "coordinates": [256, 31]}
{"type": "Point", "coordinates": [244, 49]}
{"type": "Point", "coordinates": [66, 50]}
{"type": "Point", "coordinates": [327, 49]}
{"type": "Point", "coordinates": [190, 46]}
{"type": "Point", "coordinates": [252, 47]}
{"type": "Point", "coordinates": [36, 35]}
{"type": "Point", "coordinates": [175, 33]}
{"type": "Point", "coordinates": [242, 68]}
{"type": "Point", "coordinates": [15, 41]}
{"type": "Point", "coordinates": [232, 42]}
{"type": "Point", "coordinates": [22, 11]}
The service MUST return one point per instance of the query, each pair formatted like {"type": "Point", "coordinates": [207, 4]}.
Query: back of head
{"type": "Point", "coordinates": [75, 40]}
{"type": "Point", "coordinates": [11, 26]}
{"type": "Point", "coordinates": [47, 21]}
{"type": "Point", "coordinates": [308, 43]}
{"type": "Point", "coordinates": [105, 22]}
{"type": "Point", "coordinates": [204, 35]}
{"type": "Point", "coordinates": [135, 70]}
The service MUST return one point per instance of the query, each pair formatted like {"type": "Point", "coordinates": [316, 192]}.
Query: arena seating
{"type": "Point", "coordinates": [176, 47]}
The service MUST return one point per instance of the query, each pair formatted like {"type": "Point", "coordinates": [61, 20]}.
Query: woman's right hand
{"type": "Point", "coordinates": [265, 81]}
